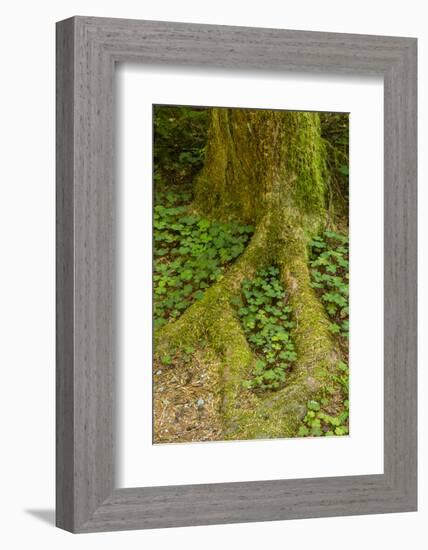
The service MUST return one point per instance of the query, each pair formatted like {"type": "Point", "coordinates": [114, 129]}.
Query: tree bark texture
{"type": "Point", "coordinates": [266, 168]}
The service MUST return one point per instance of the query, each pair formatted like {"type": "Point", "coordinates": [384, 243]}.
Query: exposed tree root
{"type": "Point", "coordinates": [212, 323]}
{"type": "Point", "coordinates": [197, 322]}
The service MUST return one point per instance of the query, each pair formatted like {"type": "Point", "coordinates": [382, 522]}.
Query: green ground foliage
{"type": "Point", "coordinates": [180, 135]}
{"type": "Point", "coordinates": [190, 253]}
{"type": "Point", "coordinates": [329, 263]}
{"type": "Point", "coordinates": [335, 132]}
{"type": "Point", "coordinates": [266, 320]}
{"type": "Point", "coordinates": [329, 267]}
{"type": "Point", "coordinates": [319, 423]}
{"type": "Point", "coordinates": [193, 250]}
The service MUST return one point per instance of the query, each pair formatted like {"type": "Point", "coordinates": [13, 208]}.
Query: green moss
{"type": "Point", "coordinates": [304, 151]}
{"type": "Point", "coordinates": [281, 414]}
{"type": "Point", "coordinates": [230, 170]}
{"type": "Point", "coordinates": [213, 322]}
{"type": "Point", "coordinates": [255, 156]}
{"type": "Point", "coordinates": [265, 168]}
{"type": "Point", "coordinates": [197, 321]}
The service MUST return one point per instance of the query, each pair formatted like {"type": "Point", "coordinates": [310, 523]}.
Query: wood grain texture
{"type": "Point", "coordinates": [87, 50]}
{"type": "Point", "coordinates": [64, 276]}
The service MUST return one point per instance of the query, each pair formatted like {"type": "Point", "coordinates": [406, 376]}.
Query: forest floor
{"type": "Point", "coordinates": [186, 403]}
{"type": "Point", "coordinates": [191, 254]}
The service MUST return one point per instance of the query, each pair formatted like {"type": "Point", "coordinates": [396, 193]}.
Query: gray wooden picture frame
{"type": "Point", "coordinates": [87, 51]}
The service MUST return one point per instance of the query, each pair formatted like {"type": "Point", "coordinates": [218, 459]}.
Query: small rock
{"type": "Point", "coordinates": [200, 403]}
{"type": "Point", "coordinates": [312, 384]}
{"type": "Point", "coordinates": [158, 372]}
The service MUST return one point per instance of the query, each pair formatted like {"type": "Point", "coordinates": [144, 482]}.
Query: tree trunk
{"type": "Point", "coordinates": [258, 158]}
{"type": "Point", "coordinates": [266, 168]}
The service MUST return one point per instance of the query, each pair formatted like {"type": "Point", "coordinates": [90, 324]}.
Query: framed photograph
{"type": "Point", "coordinates": [236, 274]}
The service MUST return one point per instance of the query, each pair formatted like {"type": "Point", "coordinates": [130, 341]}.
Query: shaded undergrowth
{"type": "Point", "coordinates": [329, 268]}
{"type": "Point", "coordinates": [329, 264]}
{"type": "Point", "coordinates": [266, 319]}
{"type": "Point", "coordinates": [190, 253]}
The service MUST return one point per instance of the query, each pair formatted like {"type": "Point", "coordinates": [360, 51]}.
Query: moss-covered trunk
{"type": "Point", "coordinates": [257, 158]}
{"type": "Point", "coordinates": [266, 168]}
